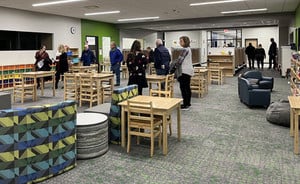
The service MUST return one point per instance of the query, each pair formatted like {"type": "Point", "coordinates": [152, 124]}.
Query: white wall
{"type": "Point", "coordinates": [263, 35]}
{"type": "Point", "coordinates": [17, 20]}
{"type": "Point", "coordinates": [172, 38]}
{"type": "Point", "coordinates": [148, 38]}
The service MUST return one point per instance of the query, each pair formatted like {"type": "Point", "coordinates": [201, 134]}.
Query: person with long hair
{"type": "Point", "coordinates": [137, 63]}
{"type": "Point", "coordinates": [185, 62]}
{"type": "Point", "coordinates": [42, 63]}
{"type": "Point", "coordinates": [62, 64]}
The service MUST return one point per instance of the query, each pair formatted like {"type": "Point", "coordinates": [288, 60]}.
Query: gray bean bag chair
{"type": "Point", "coordinates": [279, 113]}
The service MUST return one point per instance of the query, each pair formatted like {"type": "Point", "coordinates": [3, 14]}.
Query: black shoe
{"type": "Point", "coordinates": [117, 85]}
{"type": "Point", "coordinates": [184, 107]}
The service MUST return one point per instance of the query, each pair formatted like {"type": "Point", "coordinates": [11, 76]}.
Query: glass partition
{"type": "Point", "coordinates": [224, 38]}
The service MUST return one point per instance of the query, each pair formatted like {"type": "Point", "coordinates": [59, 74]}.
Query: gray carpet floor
{"type": "Point", "coordinates": [223, 141]}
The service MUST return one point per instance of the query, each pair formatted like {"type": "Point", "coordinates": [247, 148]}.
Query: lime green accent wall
{"type": "Point", "coordinates": [297, 22]}
{"type": "Point", "coordinates": [298, 16]}
{"type": "Point", "coordinates": [100, 29]}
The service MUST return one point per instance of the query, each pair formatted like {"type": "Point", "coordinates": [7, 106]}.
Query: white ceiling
{"type": "Point", "coordinates": [167, 10]}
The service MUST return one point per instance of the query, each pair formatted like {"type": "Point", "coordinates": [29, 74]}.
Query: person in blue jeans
{"type": "Point", "coordinates": [116, 58]}
{"type": "Point", "coordinates": [162, 59]}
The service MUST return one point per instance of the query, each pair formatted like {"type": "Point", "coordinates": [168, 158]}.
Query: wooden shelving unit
{"type": "Point", "coordinates": [225, 61]}
{"type": "Point", "coordinates": [74, 58]}
{"type": "Point", "coordinates": [9, 72]}
{"type": "Point", "coordinates": [295, 77]}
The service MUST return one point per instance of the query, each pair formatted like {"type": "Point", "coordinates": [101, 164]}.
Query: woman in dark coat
{"type": "Point", "coordinates": [42, 63]}
{"type": "Point", "coordinates": [136, 63]}
{"type": "Point", "coordinates": [62, 64]}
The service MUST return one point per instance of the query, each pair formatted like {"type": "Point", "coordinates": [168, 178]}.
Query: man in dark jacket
{"type": "Point", "coordinates": [272, 54]}
{"type": "Point", "coordinates": [87, 56]}
{"type": "Point", "coordinates": [116, 58]}
{"type": "Point", "coordinates": [161, 58]}
{"type": "Point", "coordinates": [250, 51]}
{"type": "Point", "coordinates": [260, 55]}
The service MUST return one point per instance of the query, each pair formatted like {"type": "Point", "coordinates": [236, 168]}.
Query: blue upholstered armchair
{"type": "Point", "coordinates": [252, 96]}
{"type": "Point", "coordinates": [258, 81]}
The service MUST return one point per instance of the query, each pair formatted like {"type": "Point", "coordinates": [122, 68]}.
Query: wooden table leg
{"type": "Point", "coordinates": [291, 122]}
{"type": "Point", "coordinates": [42, 85]}
{"type": "Point", "coordinates": [165, 136]}
{"type": "Point", "coordinates": [178, 122]}
{"type": "Point", "coordinates": [296, 135]}
{"type": "Point", "coordinates": [35, 90]}
{"type": "Point", "coordinates": [53, 84]}
{"type": "Point", "coordinates": [123, 142]}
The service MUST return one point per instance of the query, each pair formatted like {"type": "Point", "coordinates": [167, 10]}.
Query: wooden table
{"type": "Point", "coordinates": [100, 77]}
{"type": "Point", "coordinates": [294, 123]}
{"type": "Point", "coordinates": [156, 79]}
{"type": "Point", "coordinates": [83, 69]}
{"type": "Point", "coordinates": [161, 106]}
{"type": "Point", "coordinates": [41, 75]}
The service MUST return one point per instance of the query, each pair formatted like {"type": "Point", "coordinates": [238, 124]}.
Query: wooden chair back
{"type": "Point", "coordinates": [89, 90]}
{"type": "Point", "coordinates": [142, 123]}
{"type": "Point", "coordinates": [70, 86]}
{"type": "Point", "coordinates": [23, 88]}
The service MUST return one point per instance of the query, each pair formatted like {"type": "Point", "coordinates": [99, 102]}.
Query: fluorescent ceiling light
{"type": "Point", "coordinates": [54, 2]}
{"type": "Point", "coordinates": [215, 2]}
{"type": "Point", "coordinates": [243, 11]}
{"type": "Point", "coordinates": [102, 13]}
{"type": "Point", "coordinates": [136, 19]}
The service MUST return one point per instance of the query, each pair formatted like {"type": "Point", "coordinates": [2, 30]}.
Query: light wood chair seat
{"type": "Point", "coordinates": [71, 87]}
{"type": "Point", "coordinates": [89, 90]}
{"type": "Point", "coordinates": [199, 83]}
{"type": "Point", "coordinates": [167, 93]}
{"type": "Point", "coordinates": [107, 88]}
{"type": "Point", "coordinates": [23, 88]}
{"type": "Point", "coordinates": [215, 73]}
{"type": "Point", "coordinates": [142, 123]}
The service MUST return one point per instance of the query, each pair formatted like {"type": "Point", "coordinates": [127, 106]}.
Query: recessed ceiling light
{"type": "Point", "coordinates": [243, 11]}
{"type": "Point", "coordinates": [215, 2]}
{"type": "Point", "coordinates": [54, 2]}
{"type": "Point", "coordinates": [102, 13]}
{"type": "Point", "coordinates": [137, 19]}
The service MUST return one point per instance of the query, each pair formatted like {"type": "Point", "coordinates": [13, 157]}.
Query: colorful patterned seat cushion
{"type": "Point", "coordinates": [37, 142]}
{"type": "Point", "coordinates": [119, 95]}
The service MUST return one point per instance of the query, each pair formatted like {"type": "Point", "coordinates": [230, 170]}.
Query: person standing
{"type": "Point", "coordinates": [150, 55]}
{"type": "Point", "coordinates": [87, 56]}
{"type": "Point", "coordinates": [42, 61]}
{"type": "Point", "coordinates": [272, 54]}
{"type": "Point", "coordinates": [185, 62]}
{"type": "Point", "coordinates": [260, 55]}
{"type": "Point", "coordinates": [250, 52]}
{"type": "Point", "coordinates": [161, 58]}
{"type": "Point", "coordinates": [116, 58]}
{"type": "Point", "coordinates": [62, 64]}
{"type": "Point", "coordinates": [137, 63]}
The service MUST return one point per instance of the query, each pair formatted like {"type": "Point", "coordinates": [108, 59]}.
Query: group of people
{"type": "Point", "coordinates": [136, 61]}
{"type": "Point", "coordinates": [259, 55]}
{"type": "Point", "coordinates": [43, 61]}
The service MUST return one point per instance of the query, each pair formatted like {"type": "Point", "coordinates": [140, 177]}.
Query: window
{"type": "Point", "coordinates": [224, 38]}
{"type": "Point", "coordinates": [16, 40]}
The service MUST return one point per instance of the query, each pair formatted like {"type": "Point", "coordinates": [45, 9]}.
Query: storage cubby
{"type": "Point", "coordinates": [225, 61]}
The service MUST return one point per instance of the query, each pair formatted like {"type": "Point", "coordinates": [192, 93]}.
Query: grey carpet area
{"type": "Point", "coordinates": [223, 141]}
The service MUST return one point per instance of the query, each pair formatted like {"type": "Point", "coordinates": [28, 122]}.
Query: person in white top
{"type": "Point", "coordinates": [185, 60]}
